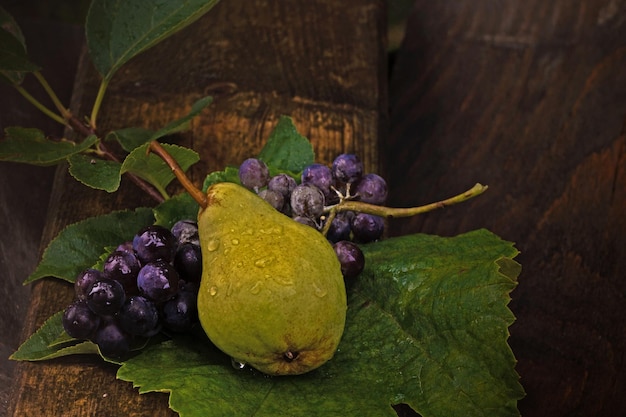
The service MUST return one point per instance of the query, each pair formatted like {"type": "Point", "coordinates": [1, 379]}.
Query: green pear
{"type": "Point", "coordinates": [272, 295]}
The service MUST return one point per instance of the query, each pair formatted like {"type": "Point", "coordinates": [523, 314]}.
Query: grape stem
{"type": "Point", "coordinates": [184, 180]}
{"type": "Point", "coordinates": [390, 212]}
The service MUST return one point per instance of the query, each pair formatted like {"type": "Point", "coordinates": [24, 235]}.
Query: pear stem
{"type": "Point", "coordinates": [194, 191]}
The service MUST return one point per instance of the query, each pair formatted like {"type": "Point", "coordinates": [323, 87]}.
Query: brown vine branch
{"type": "Point", "coordinates": [104, 151]}
{"type": "Point", "coordinates": [79, 127]}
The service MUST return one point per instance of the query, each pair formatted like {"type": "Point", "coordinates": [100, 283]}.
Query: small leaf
{"type": "Point", "coordinates": [117, 31]}
{"type": "Point", "coordinates": [12, 55]}
{"type": "Point", "coordinates": [131, 138]}
{"type": "Point", "coordinates": [79, 245]}
{"type": "Point", "coordinates": [95, 173]}
{"type": "Point", "coordinates": [44, 343]}
{"type": "Point", "coordinates": [427, 325]}
{"type": "Point", "coordinates": [151, 168]}
{"type": "Point", "coordinates": [229, 174]}
{"type": "Point", "coordinates": [286, 149]}
{"type": "Point", "coordinates": [14, 61]}
{"type": "Point", "coordinates": [179, 207]}
{"type": "Point", "coordinates": [64, 339]}
{"type": "Point", "coordinates": [30, 146]}
{"type": "Point", "coordinates": [8, 23]}
{"type": "Point", "coordinates": [183, 123]}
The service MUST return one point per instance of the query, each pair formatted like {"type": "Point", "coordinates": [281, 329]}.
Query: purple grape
{"type": "Point", "coordinates": [318, 175]}
{"type": "Point", "coordinates": [158, 281]}
{"type": "Point", "coordinates": [154, 243]}
{"type": "Point", "coordinates": [347, 168]}
{"type": "Point", "coordinates": [283, 184]}
{"type": "Point", "coordinates": [123, 267]}
{"type": "Point", "coordinates": [371, 189]}
{"type": "Point", "coordinates": [111, 339]}
{"type": "Point", "coordinates": [350, 257]}
{"type": "Point", "coordinates": [79, 321]}
{"type": "Point", "coordinates": [186, 231]}
{"type": "Point", "coordinates": [307, 221]}
{"type": "Point", "coordinates": [105, 297]}
{"type": "Point", "coordinates": [254, 174]}
{"type": "Point", "coordinates": [188, 286]}
{"type": "Point", "coordinates": [367, 227]}
{"type": "Point", "coordinates": [188, 262]}
{"type": "Point", "coordinates": [340, 227]}
{"type": "Point", "coordinates": [307, 201]}
{"type": "Point", "coordinates": [181, 312]}
{"type": "Point", "coordinates": [139, 316]}
{"type": "Point", "coordinates": [273, 198]}
{"type": "Point", "coordinates": [126, 247]}
{"type": "Point", "coordinates": [84, 280]}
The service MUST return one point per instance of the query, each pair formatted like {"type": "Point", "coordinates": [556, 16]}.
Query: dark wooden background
{"type": "Point", "coordinates": [25, 190]}
{"type": "Point", "coordinates": [528, 97]}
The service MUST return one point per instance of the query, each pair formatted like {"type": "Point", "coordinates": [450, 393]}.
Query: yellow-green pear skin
{"type": "Point", "coordinates": [272, 295]}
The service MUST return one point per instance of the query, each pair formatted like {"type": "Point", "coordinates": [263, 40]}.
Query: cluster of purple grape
{"type": "Point", "coordinates": [310, 201]}
{"type": "Point", "coordinates": [146, 285]}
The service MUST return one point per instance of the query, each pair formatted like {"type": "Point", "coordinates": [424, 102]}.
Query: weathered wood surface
{"type": "Point", "coordinates": [528, 97]}
{"type": "Point", "coordinates": [321, 62]}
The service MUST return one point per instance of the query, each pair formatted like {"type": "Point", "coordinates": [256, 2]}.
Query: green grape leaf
{"type": "Point", "coordinates": [79, 245]}
{"type": "Point", "coordinates": [117, 31]}
{"type": "Point", "coordinates": [151, 167]}
{"type": "Point", "coordinates": [131, 137]}
{"type": "Point", "coordinates": [286, 149]}
{"type": "Point", "coordinates": [427, 326]}
{"type": "Point", "coordinates": [449, 297]}
{"type": "Point", "coordinates": [14, 61]}
{"type": "Point", "coordinates": [30, 146]}
{"type": "Point", "coordinates": [51, 341]}
{"type": "Point", "coordinates": [106, 251]}
{"type": "Point", "coordinates": [95, 173]}
{"type": "Point", "coordinates": [229, 174]}
{"type": "Point", "coordinates": [179, 207]}
{"type": "Point", "coordinates": [62, 340]}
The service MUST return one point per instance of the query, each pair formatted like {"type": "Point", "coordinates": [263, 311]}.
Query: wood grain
{"type": "Point", "coordinates": [528, 97]}
{"type": "Point", "coordinates": [320, 62]}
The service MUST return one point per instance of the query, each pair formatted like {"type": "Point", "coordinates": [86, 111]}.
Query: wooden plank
{"type": "Point", "coordinates": [528, 97]}
{"type": "Point", "coordinates": [321, 62]}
